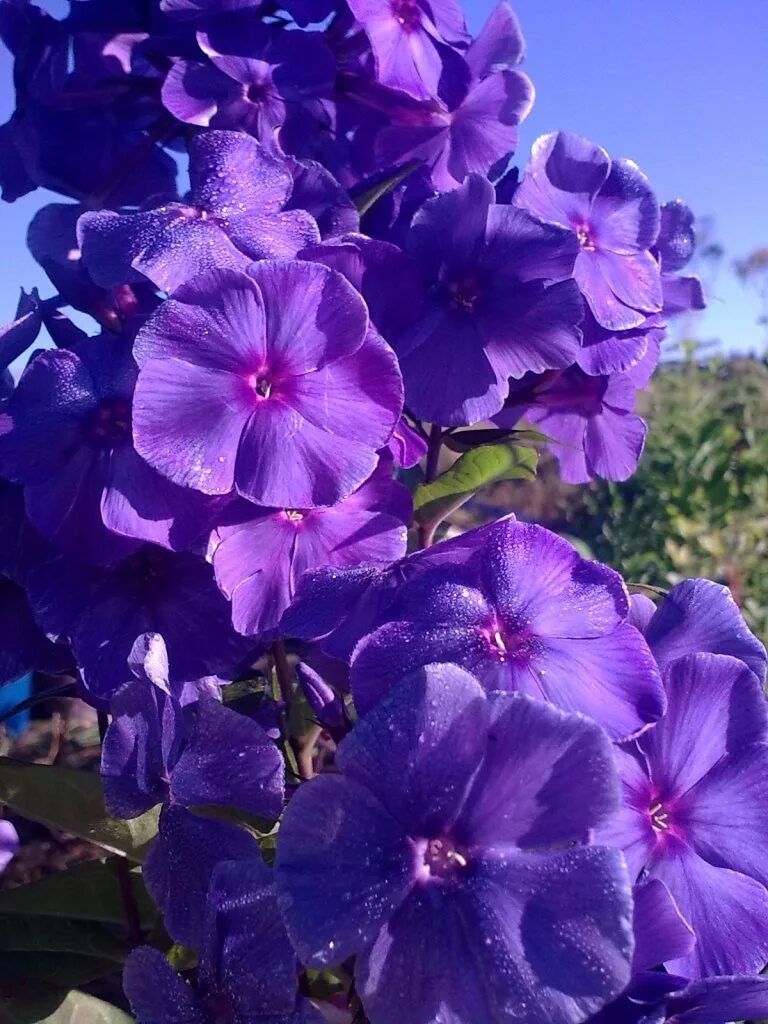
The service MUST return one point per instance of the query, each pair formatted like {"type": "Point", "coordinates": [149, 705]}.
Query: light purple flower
{"type": "Point", "coordinates": [611, 208]}
{"type": "Point", "coordinates": [475, 125]}
{"type": "Point", "coordinates": [523, 612]}
{"type": "Point", "coordinates": [405, 37]}
{"type": "Point", "coordinates": [491, 310]}
{"type": "Point", "coordinates": [695, 811]}
{"type": "Point", "coordinates": [448, 856]}
{"type": "Point", "coordinates": [269, 382]}
{"type": "Point", "coordinates": [259, 554]}
{"type": "Point", "coordinates": [234, 214]}
{"type": "Point", "coordinates": [9, 844]}
{"type": "Point", "coordinates": [698, 616]}
{"type": "Point", "coordinates": [66, 436]}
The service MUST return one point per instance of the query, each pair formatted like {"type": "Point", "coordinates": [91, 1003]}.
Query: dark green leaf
{"type": "Point", "coordinates": [474, 470]}
{"type": "Point", "coordinates": [57, 1006]}
{"type": "Point", "coordinates": [465, 440]}
{"type": "Point", "coordinates": [365, 200]}
{"type": "Point", "coordinates": [72, 801]}
{"type": "Point", "coordinates": [66, 970]}
{"type": "Point", "coordinates": [54, 935]}
{"type": "Point", "coordinates": [86, 892]}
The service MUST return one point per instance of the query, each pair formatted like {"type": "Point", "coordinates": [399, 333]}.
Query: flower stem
{"type": "Point", "coordinates": [302, 756]}
{"type": "Point", "coordinates": [433, 452]}
{"type": "Point", "coordinates": [123, 871]}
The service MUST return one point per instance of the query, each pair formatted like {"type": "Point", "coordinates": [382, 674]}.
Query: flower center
{"type": "Point", "coordinates": [443, 859]}
{"type": "Point", "coordinates": [585, 238]}
{"type": "Point", "coordinates": [111, 422]}
{"type": "Point", "coordinates": [509, 643]}
{"type": "Point", "coordinates": [257, 92]}
{"type": "Point", "coordinates": [407, 13]}
{"type": "Point", "coordinates": [465, 293]}
{"type": "Point", "coordinates": [294, 515]}
{"type": "Point", "coordinates": [261, 384]}
{"type": "Point", "coordinates": [659, 817]}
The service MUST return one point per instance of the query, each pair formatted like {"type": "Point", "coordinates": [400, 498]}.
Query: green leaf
{"type": "Point", "coordinates": [366, 199]}
{"type": "Point", "coordinates": [57, 1006]}
{"type": "Point", "coordinates": [465, 440]}
{"type": "Point", "coordinates": [474, 470]}
{"type": "Point", "coordinates": [72, 801]}
{"type": "Point", "coordinates": [67, 970]}
{"type": "Point", "coordinates": [54, 935]}
{"type": "Point", "coordinates": [86, 892]}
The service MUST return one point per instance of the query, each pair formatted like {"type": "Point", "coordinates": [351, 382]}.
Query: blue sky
{"type": "Point", "coordinates": [681, 86]}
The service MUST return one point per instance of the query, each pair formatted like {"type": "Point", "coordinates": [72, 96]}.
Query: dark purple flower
{"type": "Point", "coordinates": [326, 705]}
{"type": "Point", "coordinates": [257, 79]}
{"type": "Point", "coordinates": [477, 124]}
{"type": "Point", "coordinates": [674, 248]}
{"type": "Point", "coordinates": [387, 279]}
{"type": "Point", "coordinates": [591, 420]}
{"type": "Point", "coordinates": [268, 382]}
{"type": "Point", "coordinates": [259, 554]}
{"type": "Point", "coordinates": [695, 811]}
{"type": "Point", "coordinates": [246, 972]}
{"type": "Point", "coordinates": [198, 8]}
{"type": "Point", "coordinates": [448, 856]}
{"type": "Point", "coordinates": [610, 207]}
{"type": "Point", "coordinates": [66, 435]}
{"type": "Point", "coordinates": [19, 336]}
{"type": "Point", "coordinates": [524, 612]}
{"type": "Point", "coordinates": [180, 864]}
{"type": "Point", "coordinates": [407, 446]}
{"type": "Point", "coordinates": [103, 611]}
{"type": "Point", "coordinates": [234, 214]}
{"type": "Point", "coordinates": [153, 753]}
{"type": "Point", "coordinates": [317, 191]}
{"type": "Point", "coordinates": [490, 311]}
{"type": "Point", "coordinates": [405, 37]}
{"type": "Point", "coordinates": [700, 616]}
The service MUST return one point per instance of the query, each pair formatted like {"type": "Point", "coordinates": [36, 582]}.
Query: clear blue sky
{"type": "Point", "coordinates": [681, 86]}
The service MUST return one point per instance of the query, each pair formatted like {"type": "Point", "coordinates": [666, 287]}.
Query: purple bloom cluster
{"type": "Point", "coordinates": [494, 786]}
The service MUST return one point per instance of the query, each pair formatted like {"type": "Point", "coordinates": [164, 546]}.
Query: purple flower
{"type": "Point", "coordinates": [475, 125]}
{"type": "Point", "coordinates": [259, 554]}
{"type": "Point", "coordinates": [246, 970]}
{"type": "Point", "coordinates": [317, 191]}
{"type": "Point", "coordinates": [405, 37]}
{"type": "Point", "coordinates": [258, 78]}
{"type": "Point", "coordinates": [234, 214]}
{"type": "Point", "coordinates": [9, 844]}
{"type": "Point", "coordinates": [610, 207]}
{"type": "Point", "coordinates": [268, 382]}
{"type": "Point", "coordinates": [339, 606]}
{"type": "Point", "coordinates": [387, 279]}
{"type": "Point", "coordinates": [19, 336]}
{"type": "Point", "coordinates": [699, 616]}
{"type": "Point", "coordinates": [102, 611]}
{"type": "Point", "coordinates": [695, 797]}
{"type": "Point", "coordinates": [491, 311]}
{"type": "Point", "coordinates": [524, 612]}
{"type": "Point", "coordinates": [606, 351]}
{"type": "Point", "coordinates": [674, 248]}
{"type": "Point", "coordinates": [590, 419]}
{"type": "Point", "coordinates": [153, 753]}
{"type": "Point", "coordinates": [66, 435]}
{"type": "Point", "coordinates": [448, 856]}
{"type": "Point", "coordinates": [23, 645]}
{"type": "Point", "coordinates": [198, 8]}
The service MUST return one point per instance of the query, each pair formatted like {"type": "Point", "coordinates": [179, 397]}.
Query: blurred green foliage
{"type": "Point", "coordinates": [698, 504]}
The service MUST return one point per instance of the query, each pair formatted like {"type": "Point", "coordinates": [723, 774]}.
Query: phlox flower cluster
{"type": "Point", "coordinates": [470, 782]}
